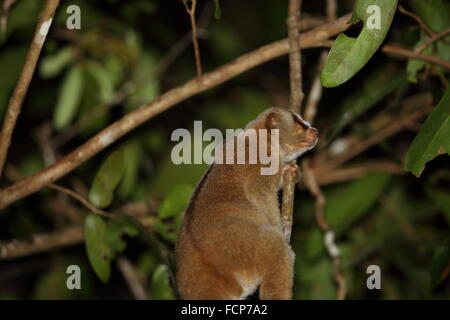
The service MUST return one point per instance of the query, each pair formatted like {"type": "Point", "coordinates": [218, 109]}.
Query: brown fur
{"type": "Point", "coordinates": [231, 240]}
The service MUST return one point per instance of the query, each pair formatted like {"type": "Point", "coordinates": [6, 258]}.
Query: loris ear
{"type": "Point", "coordinates": [272, 120]}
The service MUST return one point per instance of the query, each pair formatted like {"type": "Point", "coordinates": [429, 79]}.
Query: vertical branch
{"type": "Point", "coordinates": [15, 103]}
{"type": "Point", "coordinates": [332, 248]}
{"type": "Point", "coordinates": [331, 10]}
{"type": "Point", "coordinates": [295, 58]}
{"type": "Point", "coordinates": [191, 11]}
{"type": "Point", "coordinates": [295, 104]}
{"type": "Point", "coordinates": [132, 278]}
{"type": "Point", "coordinates": [315, 93]}
{"type": "Point", "coordinates": [310, 178]}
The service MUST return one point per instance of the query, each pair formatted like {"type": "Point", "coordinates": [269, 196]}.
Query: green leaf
{"type": "Point", "coordinates": [115, 231]}
{"type": "Point", "coordinates": [361, 195]}
{"type": "Point", "coordinates": [176, 201]}
{"type": "Point", "coordinates": [97, 246]}
{"type": "Point", "coordinates": [375, 88]}
{"type": "Point", "coordinates": [103, 78]}
{"type": "Point", "coordinates": [147, 84]}
{"type": "Point", "coordinates": [52, 65]}
{"type": "Point", "coordinates": [348, 55]}
{"type": "Point", "coordinates": [217, 11]}
{"type": "Point", "coordinates": [432, 139]}
{"type": "Point", "coordinates": [415, 65]}
{"type": "Point", "coordinates": [107, 179]}
{"type": "Point", "coordinates": [160, 285]}
{"type": "Point", "coordinates": [440, 265]}
{"type": "Point", "coordinates": [69, 97]}
{"type": "Point", "coordinates": [131, 169]}
{"type": "Point", "coordinates": [167, 232]}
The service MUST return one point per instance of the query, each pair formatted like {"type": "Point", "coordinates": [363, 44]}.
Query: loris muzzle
{"type": "Point", "coordinates": [231, 241]}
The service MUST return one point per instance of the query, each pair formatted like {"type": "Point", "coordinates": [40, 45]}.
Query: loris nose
{"type": "Point", "coordinates": [314, 131]}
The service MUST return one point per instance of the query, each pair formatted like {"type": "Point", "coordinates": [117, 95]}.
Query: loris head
{"type": "Point", "coordinates": [296, 136]}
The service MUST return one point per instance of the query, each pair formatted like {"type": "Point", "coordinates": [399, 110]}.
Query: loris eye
{"type": "Point", "coordinates": [298, 120]}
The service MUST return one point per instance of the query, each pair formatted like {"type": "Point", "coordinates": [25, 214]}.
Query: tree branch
{"type": "Point", "coordinates": [41, 242]}
{"type": "Point", "coordinates": [132, 278]}
{"type": "Point", "coordinates": [68, 236]}
{"type": "Point", "coordinates": [79, 198]}
{"type": "Point", "coordinates": [332, 248]}
{"type": "Point", "coordinates": [295, 105]}
{"type": "Point", "coordinates": [403, 52]}
{"type": "Point", "coordinates": [310, 176]}
{"type": "Point", "coordinates": [7, 4]}
{"type": "Point", "coordinates": [295, 57]}
{"type": "Point", "coordinates": [15, 103]}
{"type": "Point", "coordinates": [147, 111]}
{"type": "Point", "coordinates": [402, 122]}
{"type": "Point", "coordinates": [191, 12]}
{"type": "Point", "coordinates": [415, 55]}
{"type": "Point", "coordinates": [433, 39]}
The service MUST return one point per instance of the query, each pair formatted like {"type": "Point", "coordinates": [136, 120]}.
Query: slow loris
{"type": "Point", "coordinates": [231, 241]}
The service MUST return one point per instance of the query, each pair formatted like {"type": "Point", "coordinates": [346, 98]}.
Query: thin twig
{"type": "Point", "coordinates": [149, 110]}
{"type": "Point", "coordinates": [132, 278]}
{"type": "Point", "coordinates": [348, 173]}
{"type": "Point", "coordinates": [415, 55]}
{"type": "Point", "coordinates": [422, 25]}
{"type": "Point", "coordinates": [191, 12]}
{"type": "Point", "coordinates": [13, 174]}
{"type": "Point", "coordinates": [402, 122]}
{"type": "Point", "coordinates": [181, 44]}
{"type": "Point", "coordinates": [433, 39]}
{"type": "Point", "coordinates": [7, 4]}
{"type": "Point", "coordinates": [124, 91]}
{"type": "Point", "coordinates": [332, 248]}
{"type": "Point", "coordinates": [315, 93]}
{"type": "Point", "coordinates": [310, 178]}
{"type": "Point", "coordinates": [15, 103]}
{"type": "Point", "coordinates": [80, 199]}
{"type": "Point", "coordinates": [403, 52]}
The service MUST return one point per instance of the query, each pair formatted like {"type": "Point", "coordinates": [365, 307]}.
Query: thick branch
{"type": "Point", "coordinates": [69, 236]}
{"type": "Point", "coordinates": [41, 242]}
{"type": "Point", "coordinates": [15, 103]}
{"type": "Point", "coordinates": [147, 111]}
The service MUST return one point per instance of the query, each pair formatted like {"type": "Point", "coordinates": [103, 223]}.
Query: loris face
{"type": "Point", "coordinates": [296, 136]}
